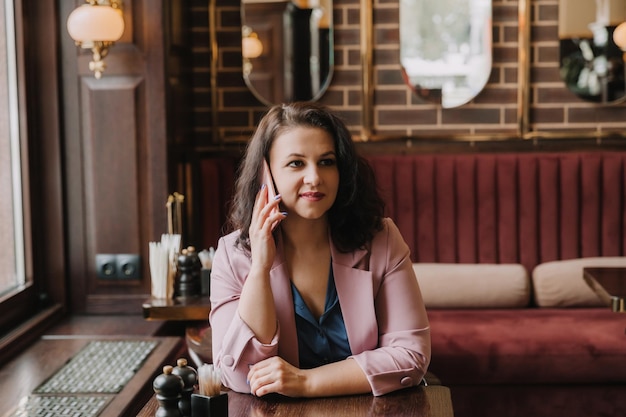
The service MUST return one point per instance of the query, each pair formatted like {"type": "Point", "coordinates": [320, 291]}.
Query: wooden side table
{"type": "Point", "coordinates": [610, 285]}
{"type": "Point", "coordinates": [192, 310]}
{"type": "Point", "coordinates": [177, 309]}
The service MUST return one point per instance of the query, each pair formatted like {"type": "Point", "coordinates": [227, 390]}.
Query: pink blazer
{"type": "Point", "coordinates": [382, 307]}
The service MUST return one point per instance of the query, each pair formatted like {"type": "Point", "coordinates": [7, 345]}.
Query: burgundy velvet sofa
{"type": "Point", "coordinates": [529, 209]}
{"type": "Point", "coordinates": [526, 209]}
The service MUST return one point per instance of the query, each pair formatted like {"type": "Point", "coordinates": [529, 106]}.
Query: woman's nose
{"type": "Point", "coordinates": [312, 176]}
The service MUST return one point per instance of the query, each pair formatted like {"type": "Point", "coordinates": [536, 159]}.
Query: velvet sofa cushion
{"type": "Point", "coordinates": [473, 285]}
{"type": "Point", "coordinates": [561, 283]}
{"type": "Point", "coordinates": [528, 346]}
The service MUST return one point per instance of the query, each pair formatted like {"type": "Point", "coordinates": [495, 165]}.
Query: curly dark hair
{"type": "Point", "coordinates": [358, 209]}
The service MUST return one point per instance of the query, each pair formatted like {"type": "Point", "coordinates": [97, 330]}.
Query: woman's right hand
{"type": "Point", "coordinates": [265, 216]}
{"type": "Point", "coordinates": [256, 301]}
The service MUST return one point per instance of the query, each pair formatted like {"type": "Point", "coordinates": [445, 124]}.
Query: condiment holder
{"type": "Point", "coordinates": [210, 401]}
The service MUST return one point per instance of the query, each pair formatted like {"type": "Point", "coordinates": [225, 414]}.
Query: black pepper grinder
{"type": "Point", "coordinates": [168, 388]}
{"type": "Point", "coordinates": [190, 379]}
{"type": "Point", "coordinates": [189, 270]}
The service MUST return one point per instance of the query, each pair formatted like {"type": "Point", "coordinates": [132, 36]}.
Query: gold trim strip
{"type": "Point", "coordinates": [523, 76]}
{"type": "Point", "coordinates": [367, 85]}
{"type": "Point", "coordinates": [217, 137]}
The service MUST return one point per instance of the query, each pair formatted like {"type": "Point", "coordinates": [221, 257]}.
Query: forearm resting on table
{"type": "Point", "coordinates": [340, 378]}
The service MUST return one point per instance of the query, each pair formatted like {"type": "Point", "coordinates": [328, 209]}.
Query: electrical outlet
{"type": "Point", "coordinates": [128, 266]}
{"type": "Point", "coordinates": [122, 266]}
{"type": "Point", "coordinates": [106, 266]}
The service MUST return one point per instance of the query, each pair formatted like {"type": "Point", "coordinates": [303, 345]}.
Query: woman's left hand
{"type": "Point", "coordinates": [275, 375]}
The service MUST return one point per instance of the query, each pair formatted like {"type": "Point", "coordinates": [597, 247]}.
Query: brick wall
{"type": "Point", "coordinates": [396, 110]}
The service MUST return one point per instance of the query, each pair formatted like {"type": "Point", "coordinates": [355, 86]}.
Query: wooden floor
{"type": "Point", "coordinates": [22, 375]}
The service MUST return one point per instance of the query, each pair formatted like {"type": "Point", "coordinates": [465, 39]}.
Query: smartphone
{"type": "Point", "coordinates": [268, 180]}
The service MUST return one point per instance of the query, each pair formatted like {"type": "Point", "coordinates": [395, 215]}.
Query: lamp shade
{"type": "Point", "coordinates": [95, 23]}
{"type": "Point", "coordinates": [251, 46]}
{"type": "Point", "coordinates": [619, 36]}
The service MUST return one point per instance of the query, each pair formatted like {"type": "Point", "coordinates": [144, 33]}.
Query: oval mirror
{"type": "Point", "coordinates": [591, 64]}
{"type": "Point", "coordinates": [445, 48]}
{"type": "Point", "coordinates": [287, 49]}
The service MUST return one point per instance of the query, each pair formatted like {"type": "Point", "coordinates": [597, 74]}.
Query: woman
{"type": "Point", "coordinates": [313, 294]}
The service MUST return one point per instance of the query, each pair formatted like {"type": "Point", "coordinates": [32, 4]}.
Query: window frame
{"type": "Point", "coordinates": [14, 305]}
{"type": "Point", "coordinates": [24, 315]}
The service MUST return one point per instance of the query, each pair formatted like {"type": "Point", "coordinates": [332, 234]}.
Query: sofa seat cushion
{"type": "Point", "coordinates": [528, 346]}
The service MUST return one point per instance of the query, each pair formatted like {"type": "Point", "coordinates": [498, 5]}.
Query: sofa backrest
{"type": "Point", "coordinates": [523, 208]}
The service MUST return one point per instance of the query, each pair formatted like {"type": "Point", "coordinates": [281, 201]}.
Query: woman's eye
{"type": "Point", "coordinates": [328, 162]}
{"type": "Point", "coordinates": [295, 164]}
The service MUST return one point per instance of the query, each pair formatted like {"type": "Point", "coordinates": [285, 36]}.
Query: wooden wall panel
{"type": "Point", "coordinates": [116, 157]}
{"type": "Point", "coordinates": [110, 146]}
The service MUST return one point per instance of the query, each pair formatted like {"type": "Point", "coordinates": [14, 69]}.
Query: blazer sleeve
{"type": "Point", "coordinates": [403, 353]}
{"type": "Point", "coordinates": [235, 346]}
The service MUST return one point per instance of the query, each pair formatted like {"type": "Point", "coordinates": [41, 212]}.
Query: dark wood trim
{"type": "Point", "coordinates": [43, 199]}
{"type": "Point", "coordinates": [43, 96]}
{"type": "Point", "coordinates": [18, 339]}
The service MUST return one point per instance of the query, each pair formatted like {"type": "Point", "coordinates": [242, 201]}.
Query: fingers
{"type": "Point", "coordinates": [274, 375]}
{"type": "Point", "coordinates": [261, 378]}
{"type": "Point", "coordinates": [263, 385]}
{"type": "Point", "coordinates": [266, 214]}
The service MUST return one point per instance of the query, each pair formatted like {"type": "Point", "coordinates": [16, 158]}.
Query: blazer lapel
{"type": "Point", "coordinates": [355, 289]}
{"type": "Point", "coordinates": [283, 300]}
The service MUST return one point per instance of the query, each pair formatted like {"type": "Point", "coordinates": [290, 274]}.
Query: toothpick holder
{"type": "Point", "coordinates": [204, 406]}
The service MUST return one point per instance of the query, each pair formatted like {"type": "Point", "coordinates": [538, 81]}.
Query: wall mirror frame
{"type": "Point", "coordinates": [287, 49]}
{"type": "Point", "coordinates": [591, 64]}
{"type": "Point", "coordinates": [523, 76]}
{"type": "Point", "coordinates": [446, 49]}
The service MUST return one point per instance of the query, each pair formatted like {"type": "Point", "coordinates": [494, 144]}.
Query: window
{"type": "Point", "coordinates": [24, 232]}
{"type": "Point", "coordinates": [12, 263]}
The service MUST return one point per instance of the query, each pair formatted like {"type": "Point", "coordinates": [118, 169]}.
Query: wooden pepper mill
{"type": "Point", "coordinates": [190, 380]}
{"type": "Point", "coordinates": [188, 282]}
{"type": "Point", "coordinates": [168, 388]}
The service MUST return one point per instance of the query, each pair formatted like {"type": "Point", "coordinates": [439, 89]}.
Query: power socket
{"type": "Point", "coordinates": [123, 266]}
{"type": "Point", "coordinates": [106, 266]}
{"type": "Point", "coordinates": [128, 266]}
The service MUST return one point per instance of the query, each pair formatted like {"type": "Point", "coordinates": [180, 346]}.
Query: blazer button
{"type": "Point", "coordinates": [407, 381]}
{"type": "Point", "coordinates": [228, 360]}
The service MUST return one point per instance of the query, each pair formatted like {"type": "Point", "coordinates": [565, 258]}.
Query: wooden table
{"type": "Point", "coordinates": [178, 309]}
{"type": "Point", "coordinates": [429, 401]}
{"type": "Point", "coordinates": [610, 285]}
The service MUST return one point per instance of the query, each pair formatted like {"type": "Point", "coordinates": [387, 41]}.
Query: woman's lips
{"type": "Point", "coordinates": [315, 196]}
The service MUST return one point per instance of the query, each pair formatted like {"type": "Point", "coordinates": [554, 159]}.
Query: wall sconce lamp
{"type": "Point", "coordinates": [619, 36]}
{"type": "Point", "coordinates": [96, 25]}
{"type": "Point", "coordinates": [251, 46]}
